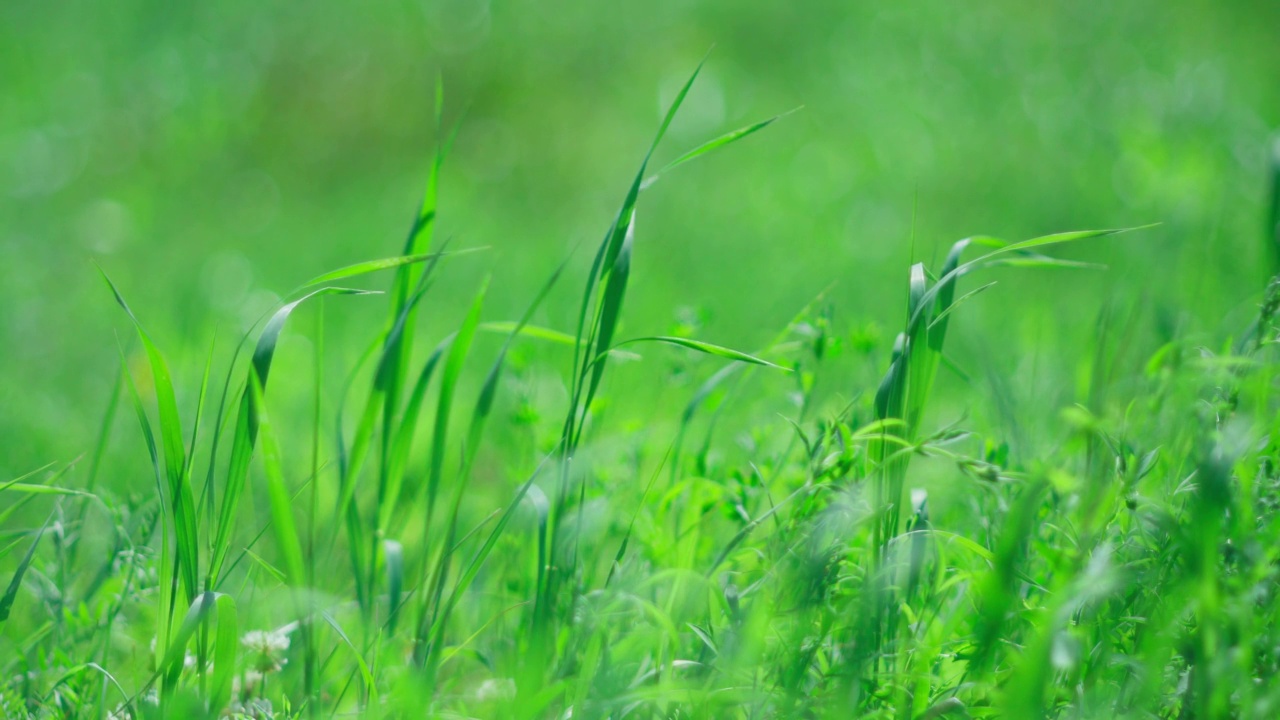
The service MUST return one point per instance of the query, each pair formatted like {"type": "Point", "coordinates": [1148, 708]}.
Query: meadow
{"type": "Point", "coordinates": [904, 363]}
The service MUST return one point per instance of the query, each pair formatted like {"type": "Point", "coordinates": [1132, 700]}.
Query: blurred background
{"type": "Point", "coordinates": [211, 156]}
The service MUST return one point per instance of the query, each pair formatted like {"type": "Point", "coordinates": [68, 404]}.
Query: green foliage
{"type": "Point", "coordinates": [785, 539]}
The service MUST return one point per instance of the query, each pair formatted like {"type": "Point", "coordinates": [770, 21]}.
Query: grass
{"type": "Point", "coordinates": [850, 553]}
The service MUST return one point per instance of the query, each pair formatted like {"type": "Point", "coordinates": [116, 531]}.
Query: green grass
{"type": "Point", "coordinates": [423, 538]}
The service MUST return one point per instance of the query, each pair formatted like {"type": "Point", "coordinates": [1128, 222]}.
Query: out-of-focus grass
{"type": "Point", "coordinates": [213, 154]}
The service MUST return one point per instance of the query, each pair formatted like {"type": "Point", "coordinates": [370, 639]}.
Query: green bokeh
{"type": "Point", "coordinates": [212, 155]}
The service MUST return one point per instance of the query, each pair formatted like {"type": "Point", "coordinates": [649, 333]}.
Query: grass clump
{"type": "Point", "coordinates": [805, 571]}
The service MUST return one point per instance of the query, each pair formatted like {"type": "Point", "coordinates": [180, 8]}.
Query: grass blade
{"type": "Point", "coordinates": [11, 593]}
{"type": "Point", "coordinates": [372, 266]}
{"type": "Point", "coordinates": [707, 348]}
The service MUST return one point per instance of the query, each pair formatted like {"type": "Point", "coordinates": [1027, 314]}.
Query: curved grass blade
{"type": "Point", "coordinates": [364, 667]}
{"type": "Point", "coordinates": [246, 433]}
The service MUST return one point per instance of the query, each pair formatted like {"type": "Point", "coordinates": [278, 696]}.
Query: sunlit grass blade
{"type": "Point", "coordinates": [372, 266]}
{"type": "Point", "coordinates": [176, 469]}
{"type": "Point", "coordinates": [707, 348]}
{"type": "Point", "coordinates": [726, 139]}
{"type": "Point", "coordinates": [167, 590]}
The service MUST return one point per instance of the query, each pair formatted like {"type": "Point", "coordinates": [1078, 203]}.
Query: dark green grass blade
{"type": "Point", "coordinates": [226, 643]}
{"type": "Point", "coordinates": [403, 443]}
{"type": "Point", "coordinates": [615, 290]}
{"type": "Point", "coordinates": [615, 238]}
{"type": "Point", "coordinates": [15, 583]}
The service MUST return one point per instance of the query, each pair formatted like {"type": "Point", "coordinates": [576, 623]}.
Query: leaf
{"type": "Point", "coordinates": [11, 594]}
{"type": "Point", "coordinates": [371, 266]}
{"type": "Point", "coordinates": [246, 432]}
{"type": "Point", "coordinates": [479, 417]}
{"type": "Point", "coordinates": [448, 384]}
{"type": "Point", "coordinates": [182, 502]}
{"type": "Point", "coordinates": [225, 645]}
{"type": "Point", "coordinates": [507, 327]}
{"type": "Point", "coordinates": [726, 139]}
{"type": "Point", "coordinates": [41, 489]}
{"type": "Point", "coordinates": [364, 667]}
{"type": "Point", "coordinates": [286, 532]}
{"type": "Point", "coordinates": [708, 348]}
{"type": "Point", "coordinates": [177, 650]}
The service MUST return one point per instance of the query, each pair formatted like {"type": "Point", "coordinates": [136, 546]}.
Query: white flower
{"type": "Point", "coordinates": [266, 649]}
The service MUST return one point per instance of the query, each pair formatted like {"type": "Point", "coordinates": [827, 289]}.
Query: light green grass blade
{"type": "Point", "coordinates": [504, 327]}
{"type": "Point", "coordinates": [166, 590]}
{"type": "Point", "coordinates": [372, 266]}
{"type": "Point", "coordinates": [26, 475]}
{"type": "Point", "coordinates": [707, 348]}
{"type": "Point", "coordinates": [26, 488]}
{"type": "Point", "coordinates": [226, 644]}
{"type": "Point", "coordinates": [288, 542]}
{"type": "Point", "coordinates": [457, 356]}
